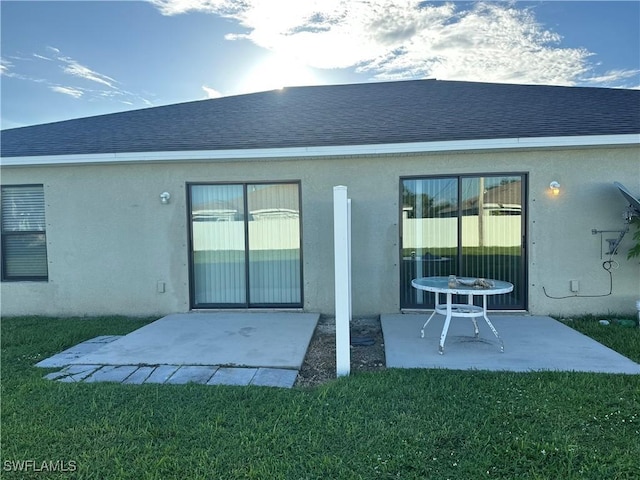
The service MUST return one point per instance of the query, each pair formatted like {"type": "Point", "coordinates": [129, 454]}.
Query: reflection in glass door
{"type": "Point", "coordinates": [469, 226]}
{"type": "Point", "coordinates": [245, 245]}
{"type": "Point", "coordinates": [274, 244]}
{"type": "Point", "coordinates": [218, 245]}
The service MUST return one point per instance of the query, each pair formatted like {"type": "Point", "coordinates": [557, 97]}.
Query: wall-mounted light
{"type": "Point", "coordinates": [555, 188]}
{"type": "Point", "coordinates": [165, 197]}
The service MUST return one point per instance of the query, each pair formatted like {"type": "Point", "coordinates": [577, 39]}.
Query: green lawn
{"type": "Point", "coordinates": [394, 424]}
{"type": "Point", "coordinates": [616, 335]}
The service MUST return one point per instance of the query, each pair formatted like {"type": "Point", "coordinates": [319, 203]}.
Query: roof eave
{"type": "Point", "coordinates": [325, 151]}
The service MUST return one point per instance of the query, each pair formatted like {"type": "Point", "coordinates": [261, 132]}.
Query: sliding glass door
{"type": "Point", "coordinates": [468, 226]}
{"type": "Point", "coordinates": [274, 244]}
{"type": "Point", "coordinates": [245, 245]}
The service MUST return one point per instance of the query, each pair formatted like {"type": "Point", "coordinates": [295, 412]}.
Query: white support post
{"type": "Point", "coordinates": [349, 253]}
{"type": "Point", "coordinates": [342, 268]}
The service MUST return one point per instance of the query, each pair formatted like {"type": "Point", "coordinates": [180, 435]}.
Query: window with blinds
{"type": "Point", "coordinates": [24, 239]}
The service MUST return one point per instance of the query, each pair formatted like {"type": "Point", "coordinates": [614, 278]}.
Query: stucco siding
{"type": "Point", "coordinates": [111, 242]}
{"type": "Point", "coordinates": [562, 247]}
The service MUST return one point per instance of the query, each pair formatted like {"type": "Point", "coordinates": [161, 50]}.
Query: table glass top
{"type": "Point", "coordinates": [435, 284]}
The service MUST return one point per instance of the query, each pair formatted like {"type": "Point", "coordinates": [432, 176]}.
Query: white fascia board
{"type": "Point", "coordinates": [328, 151]}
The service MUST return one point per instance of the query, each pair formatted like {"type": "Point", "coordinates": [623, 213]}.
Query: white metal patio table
{"type": "Point", "coordinates": [464, 286]}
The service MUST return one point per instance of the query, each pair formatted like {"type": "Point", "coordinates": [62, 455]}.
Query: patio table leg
{"type": "Point", "coordinates": [425, 324]}
{"type": "Point", "coordinates": [429, 319]}
{"type": "Point", "coordinates": [473, 319]}
{"type": "Point", "coordinates": [445, 329]}
{"type": "Point", "coordinates": [493, 329]}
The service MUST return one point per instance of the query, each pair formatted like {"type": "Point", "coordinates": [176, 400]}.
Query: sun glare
{"type": "Point", "coordinates": [277, 72]}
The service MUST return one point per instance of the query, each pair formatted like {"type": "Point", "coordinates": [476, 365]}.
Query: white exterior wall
{"type": "Point", "coordinates": [110, 240]}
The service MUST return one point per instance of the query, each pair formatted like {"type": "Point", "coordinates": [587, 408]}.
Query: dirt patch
{"type": "Point", "coordinates": [367, 350]}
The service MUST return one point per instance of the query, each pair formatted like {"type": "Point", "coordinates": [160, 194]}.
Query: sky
{"type": "Point", "coordinates": [69, 59]}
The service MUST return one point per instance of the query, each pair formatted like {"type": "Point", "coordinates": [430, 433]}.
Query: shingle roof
{"type": "Point", "coordinates": [341, 115]}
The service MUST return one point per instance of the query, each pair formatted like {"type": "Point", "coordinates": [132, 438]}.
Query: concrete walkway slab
{"type": "Point", "coordinates": [233, 376]}
{"type": "Point", "coordinates": [111, 373]}
{"type": "Point", "coordinates": [73, 373]}
{"type": "Point", "coordinates": [275, 377]}
{"type": "Point", "coordinates": [260, 339]}
{"type": "Point", "coordinates": [161, 373]}
{"type": "Point", "coordinates": [192, 374]}
{"type": "Point", "coordinates": [139, 376]}
{"type": "Point", "coordinates": [531, 343]}
{"type": "Point", "coordinates": [177, 375]}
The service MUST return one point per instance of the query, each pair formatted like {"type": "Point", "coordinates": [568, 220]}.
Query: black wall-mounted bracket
{"type": "Point", "coordinates": [613, 243]}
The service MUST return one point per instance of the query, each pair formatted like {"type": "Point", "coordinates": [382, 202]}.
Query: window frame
{"type": "Point", "coordinates": [523, 288]}
{"type": "Point", "coordinates": [4, 276]}
{"type": "Point", "coordinates": [248, 304]}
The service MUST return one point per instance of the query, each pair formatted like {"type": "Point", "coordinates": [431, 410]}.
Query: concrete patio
{"type": "Point", "coordinates": [268, 349]}
{"type": "Point", "coordinates": [272, 339]}
{"type": "Point", "coordinates": [230, 348]}
{"type": "Point", "coordinates": [531, 343]}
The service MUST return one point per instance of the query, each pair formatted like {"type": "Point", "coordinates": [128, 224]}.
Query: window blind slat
{"type": "Point", "coordinates": [25, 255]}
{"type": "Point", "coordinates": [23, 209]}
{"type": "Point", "coordinates": [24, 244]}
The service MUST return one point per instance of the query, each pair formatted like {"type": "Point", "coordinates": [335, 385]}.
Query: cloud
{"type": "Point", "coordinates": [75, 68]}
{"type": "Point", "coordinates": [211, 92]}
{"type": "Point", "coordinates": [8, 69]}
{"type": "Point", "coordinates": [403, 39]}
{"type": "Point", "coordinates": [175, 7]}
{"type": "Point", "coordinates": [78, 70]}
{"type": "Point", "coordinates": [613, 77]}
{"type": "Point", "coordinates": [72, 92]}
{"type": "Point", "coordinates": [102, 87]}
{"type": "Point", "coordinates": [487, 43]}
{"type": "Point", "coordinates": [5, 66]}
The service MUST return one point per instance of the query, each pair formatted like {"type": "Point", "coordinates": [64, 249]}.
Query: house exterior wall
{"type": "Point", "coordinates": [111, 242]}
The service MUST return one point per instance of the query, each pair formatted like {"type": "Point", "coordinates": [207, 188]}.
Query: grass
{"type": "Point", "coordinates": [622, 339]}
{"type": "Point", "coordinates": [407, 424]}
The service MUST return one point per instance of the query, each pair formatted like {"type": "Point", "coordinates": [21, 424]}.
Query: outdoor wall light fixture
{"type": "Point", "coordinates": [555, 188]}
{"type": "Point", "coordinates": [164, 197]}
